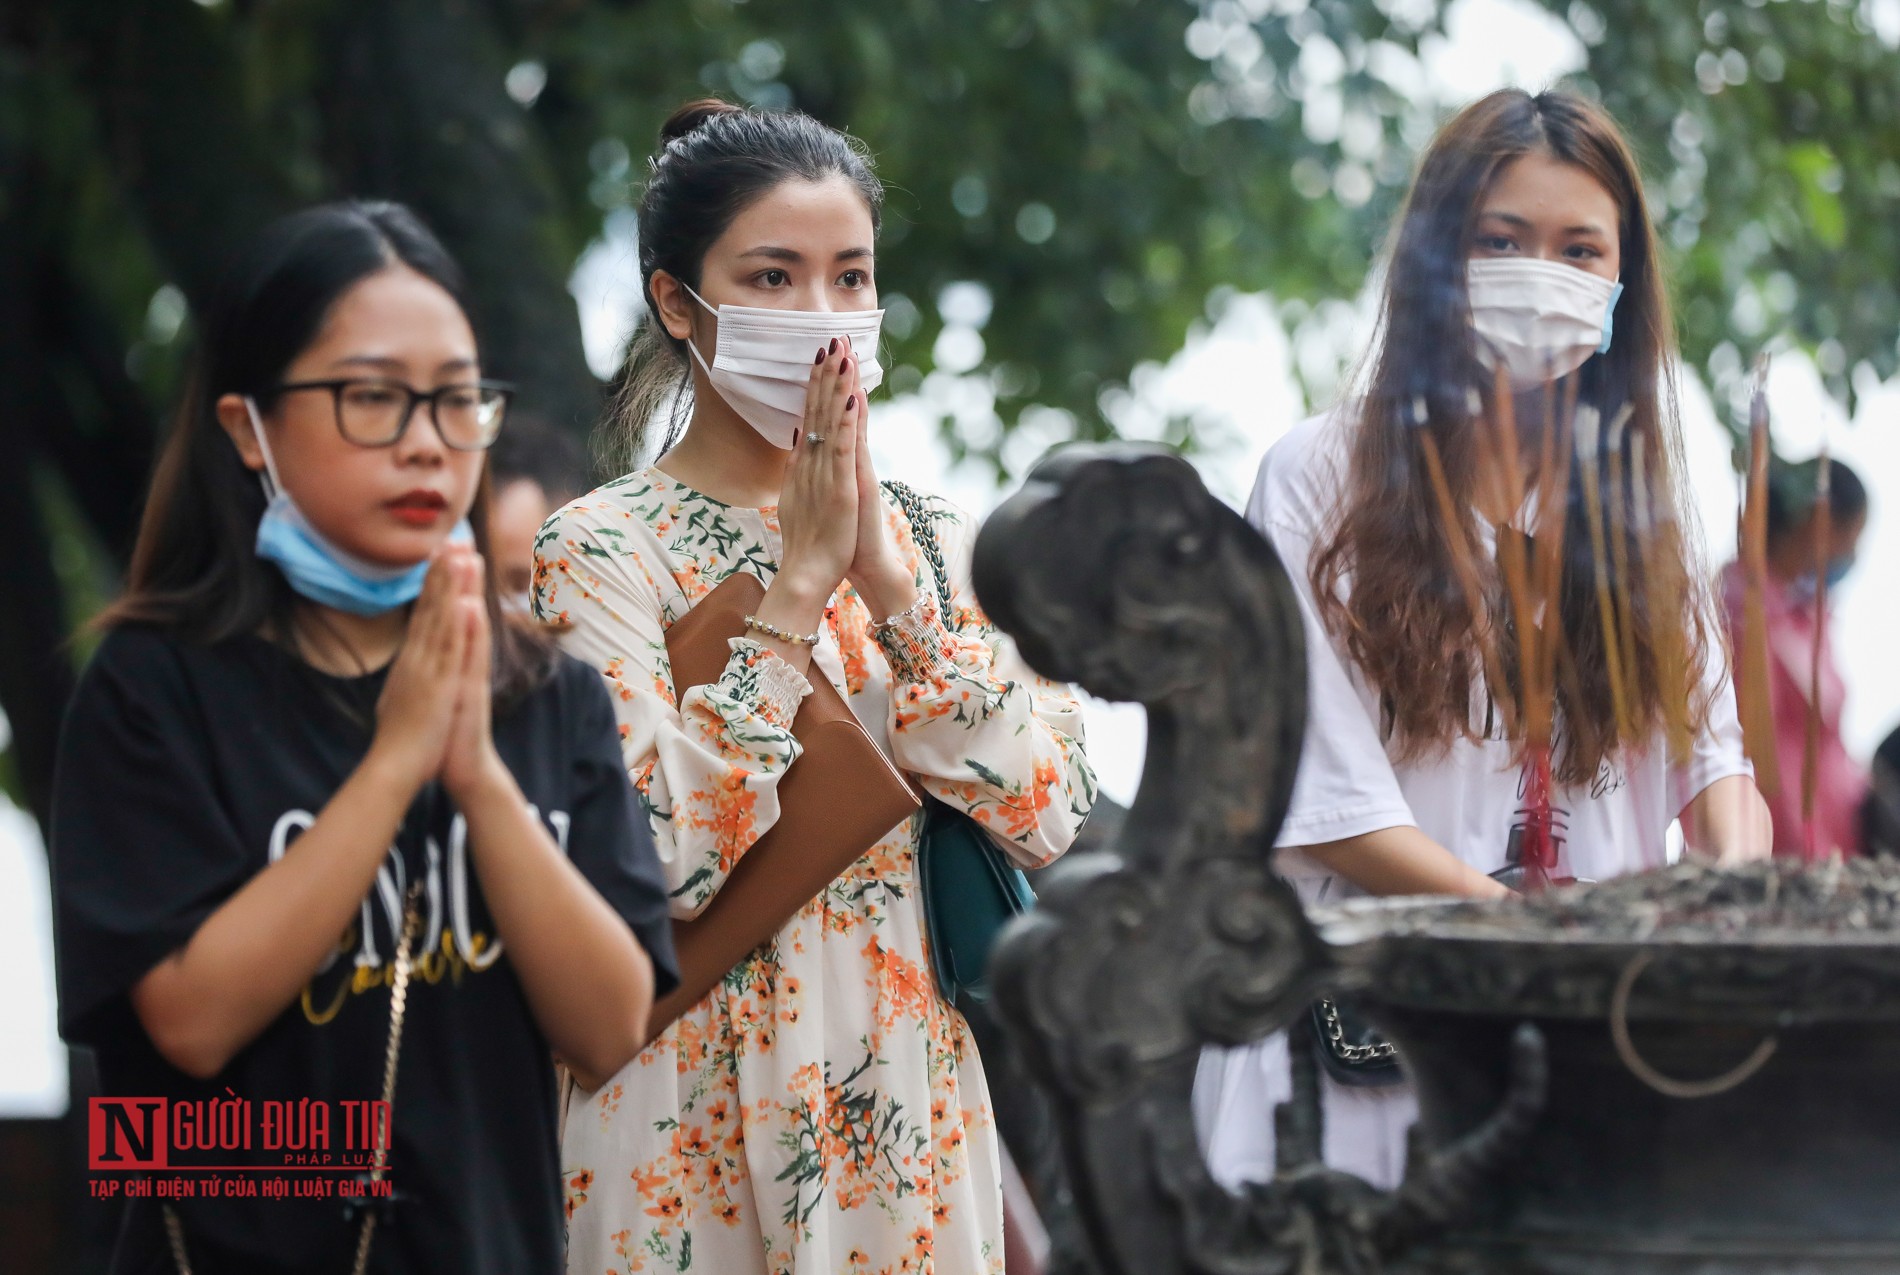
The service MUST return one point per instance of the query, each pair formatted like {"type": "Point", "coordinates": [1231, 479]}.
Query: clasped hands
{"type": "Point", "coordinates": [831, 514]}
{"type": "Point", "coordinates": [433, 720]}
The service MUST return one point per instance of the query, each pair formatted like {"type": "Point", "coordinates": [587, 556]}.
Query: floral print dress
{"type": "Point", "coordinates": [823, 1112]}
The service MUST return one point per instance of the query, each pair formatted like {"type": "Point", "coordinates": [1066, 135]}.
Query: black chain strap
{"type": "Point", "coordinates": [926, 537]}
{"type": "Point", "coordinates": [1335, 1039]}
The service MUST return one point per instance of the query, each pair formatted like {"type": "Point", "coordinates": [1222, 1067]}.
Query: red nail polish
{"type": "Point", "coordinates": [851, 402]}
{"type": "Point", "coordinates": [834, 345]}
{"type": "Point", "coordinates": [821, 357]}
{"type": "Point", "coordinates": [845, 365]}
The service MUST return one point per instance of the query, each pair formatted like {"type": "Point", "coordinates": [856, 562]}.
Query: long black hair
{"type": "Point", "coordinates": [714, 160]}
{"type": "Point", "coordinates": [194, 569]}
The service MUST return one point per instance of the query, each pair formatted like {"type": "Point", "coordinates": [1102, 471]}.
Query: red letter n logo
{"type": "Point", "coordinates": [126, 1133]}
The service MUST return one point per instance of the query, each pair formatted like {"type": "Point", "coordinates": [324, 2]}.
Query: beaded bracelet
{"type": "Point", "coordinates": [772, 630]}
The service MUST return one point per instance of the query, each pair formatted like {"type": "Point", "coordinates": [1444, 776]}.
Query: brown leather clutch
{"type": "Point", "coordinates": [840, 798]}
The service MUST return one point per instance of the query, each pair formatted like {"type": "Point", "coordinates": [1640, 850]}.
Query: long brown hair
{"type": "Point", "coordinates": [1409, 620]}
{"type": "Point", "coordinates": [194, 568]}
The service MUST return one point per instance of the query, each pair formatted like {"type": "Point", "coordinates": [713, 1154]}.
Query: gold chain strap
{"type": "Point", "coordinates": [1336, 1039]}
{"type": "Point", "coordinates": [398, 1005]}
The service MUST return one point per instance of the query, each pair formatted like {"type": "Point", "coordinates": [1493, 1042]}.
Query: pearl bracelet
{"type": "Point", "coordinates": [772, 630]}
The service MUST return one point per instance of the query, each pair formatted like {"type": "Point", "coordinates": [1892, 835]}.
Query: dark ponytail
{"type": "Point", "coordinates": [714, 160]}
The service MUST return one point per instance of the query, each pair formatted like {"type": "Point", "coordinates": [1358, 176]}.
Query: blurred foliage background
{"type": "Point", "coordinates": [1108, 171]}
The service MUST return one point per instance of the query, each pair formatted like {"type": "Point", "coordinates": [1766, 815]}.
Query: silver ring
{"type": "Point", "coordinates": [814, 438]}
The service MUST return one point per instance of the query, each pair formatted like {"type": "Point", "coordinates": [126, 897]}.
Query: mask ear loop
{"type": "Point", "coordinates": [268, 479]}
{"type": "Point", "coordinates": [1609, 317]}
{"type": "Point", "coordinates": [692, 345]}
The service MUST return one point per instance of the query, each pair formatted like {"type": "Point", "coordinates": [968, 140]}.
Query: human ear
{"type": "Point", "coordinates": [673, 304]}
{"type": "Point", "coordinates": [235, 419]}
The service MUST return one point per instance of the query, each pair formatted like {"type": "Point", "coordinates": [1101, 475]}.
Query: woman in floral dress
{"type": "Point", "coordinates": [824, 1110]}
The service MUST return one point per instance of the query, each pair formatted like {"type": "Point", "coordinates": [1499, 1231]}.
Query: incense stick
{"type": "Point", "coordinates": [1553, 472]}
{"type": "Point", "coordinates": [1537, 605]}
{"type": "Point", "coordinates": [1665, 579]}
{"type": "Point", "coordinates": [1508, 490]}
{"type": "Point", "coordinates": [1823, 523]}
{"type": "Point", "coordinates": [1465, 567]}
{"type": "Point", "coordinates": [1757, 709]}
{"type": "Point", "coordinates": [1585, 427]}
{"type": "Point", "coordinates": [1620, 532]}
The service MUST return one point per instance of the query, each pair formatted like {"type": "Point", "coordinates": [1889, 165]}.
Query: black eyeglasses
{"type": "Point", "coordinates": [375, 412]}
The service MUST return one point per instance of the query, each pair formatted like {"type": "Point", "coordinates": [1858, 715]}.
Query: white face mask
{"type": "Point", "coordinates": [764, 359]}
{"type": "Point", "coordinates": [1539, 320]}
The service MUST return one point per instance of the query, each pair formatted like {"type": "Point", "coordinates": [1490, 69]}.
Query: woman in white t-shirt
{"type": "Point", "coordinates": [1525, 244]}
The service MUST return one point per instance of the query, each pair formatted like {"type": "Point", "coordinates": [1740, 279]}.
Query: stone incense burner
{"type": "Point", "coordinates": [1692, 1072]}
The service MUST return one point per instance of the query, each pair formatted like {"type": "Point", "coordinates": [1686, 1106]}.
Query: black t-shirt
{"type": "Point", "coordinates": [186, 769]}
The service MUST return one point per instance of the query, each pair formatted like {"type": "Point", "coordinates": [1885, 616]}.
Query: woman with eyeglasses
{"type": "Point", "coordinates": [328, 832]}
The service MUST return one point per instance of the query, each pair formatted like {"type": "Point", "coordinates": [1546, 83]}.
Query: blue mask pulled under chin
{"type": "Point", "coordinates": [317, 569]}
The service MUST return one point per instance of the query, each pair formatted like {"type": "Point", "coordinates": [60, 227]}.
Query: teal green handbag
{"type": "Point", "coordinates": [970, 887]}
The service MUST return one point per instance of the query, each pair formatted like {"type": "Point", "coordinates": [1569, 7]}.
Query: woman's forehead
{"type": "Point", "coordinates": [827, 218]}
{"type": "Point", "coordinates": [1541, 189]}
{"type": "Point", "coordinates": [395, 316]}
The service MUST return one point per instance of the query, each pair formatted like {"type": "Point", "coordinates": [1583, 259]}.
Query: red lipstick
{"type": "Point", "coordinates": [419, 508]}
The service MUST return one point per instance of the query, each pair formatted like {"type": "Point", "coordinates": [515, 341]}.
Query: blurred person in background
{"type": "Point", "coordinates": [1794, 602]}
{"type": "Point", "coordinates": [311, 759]}
{"type": "Point", "coordinates": [824, 1110]}
{"type": "Point", "coordinates": [1524, 271]}
{"type": "Point", "coordinates": [1880, 820]}
{"type": "Point", "coordinates": [533, 469]}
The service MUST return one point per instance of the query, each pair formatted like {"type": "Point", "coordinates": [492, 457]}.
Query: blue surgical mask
{"type": "Point", "coordinates": [1802, 588]}
{"type": "Point", "coordinates": [1609, 318]}
{"type": "Point", "coordinates": [317, 569]}
{"type": "Point", "coordinates": [1837, 570]}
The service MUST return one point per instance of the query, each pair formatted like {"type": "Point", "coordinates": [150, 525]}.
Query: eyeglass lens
{"type": "Point", "coordinates": [371, 413]}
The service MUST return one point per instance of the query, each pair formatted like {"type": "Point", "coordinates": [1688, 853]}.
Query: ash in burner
{"type": "Point", "coordinates": [1859, 898]}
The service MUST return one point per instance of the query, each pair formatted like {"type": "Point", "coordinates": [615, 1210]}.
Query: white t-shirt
{"type": "Point", "coordinates": [1468, 798]}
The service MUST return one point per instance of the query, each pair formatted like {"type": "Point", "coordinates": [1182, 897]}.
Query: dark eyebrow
{"type": "Point", "coordinates": [1512, 219]}
{"type": "Point", "coordinates": [792, 255]}
{"type": "Point", "coordinates": [384, 362]}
